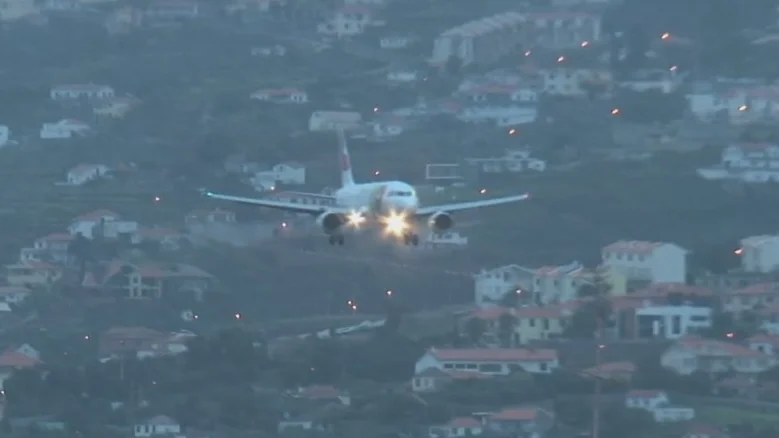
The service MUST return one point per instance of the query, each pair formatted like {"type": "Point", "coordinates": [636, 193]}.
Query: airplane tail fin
{"type": "Point", "coordinates": [347, 178]}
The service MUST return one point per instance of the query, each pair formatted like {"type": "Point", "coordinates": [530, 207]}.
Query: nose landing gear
{"type": "Point", "coordinates": [411, 239]}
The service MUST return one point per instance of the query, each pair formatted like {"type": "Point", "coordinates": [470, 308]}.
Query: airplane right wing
{"type": "Point", "coordinates": [468, 205]}
{"type": "Point", "coordinates": [292, 207]}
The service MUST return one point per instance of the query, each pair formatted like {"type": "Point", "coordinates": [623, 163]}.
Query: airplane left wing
{"type": "Point", "coordinates": [469, 205]}
{"type": "Point", "coordinates": [292, 207]}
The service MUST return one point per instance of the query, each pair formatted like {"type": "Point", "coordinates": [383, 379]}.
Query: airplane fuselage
{"type": "Point", "coordinates": [378, 197]}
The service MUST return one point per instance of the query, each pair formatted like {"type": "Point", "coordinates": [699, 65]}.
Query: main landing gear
{"type": "Point", "coordinates": [411, 239]}
{"type": "Point", "coordinates": [336, 239]}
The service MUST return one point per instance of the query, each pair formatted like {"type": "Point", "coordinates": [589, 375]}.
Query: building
{"type": "Point", "coordinates": [530, 323]}
{"type": "Point", "coordinates": [348, 21]}
{"type": "Point", "coordinates": [764, 343]}
{"type": "Point", "coordinates": [168, 345]}
{"type": "Point", "coordinates": [762, 296]}
{"type": "Point", "coordinates": [83, 173]}
{"type": "Point", "coordinates": [500, 115]}
{"type": "Point", "coordinates": [482, 41]}
{"type": "Point", "coordinates": [654, 262]}
{"type": "Point", "coordinates": [16, 359]}
{"type": "Point", "coordinates": [747, 162]}
{"type": "Point", "coordinates": [125, 341]}
{"type": "Point", "coordinates": [172, 10]}
{"type": "Point", "coordinates": [520, 421]}
{"type": "Point", "coordinates": [671, 322]}
{"type": "Point", "coordinates": [14, 294]}
{"type": "Point", "coordinates": [434, 379]}
{"type": "Point", "coordinates": [51, 248]}
{"type": "Point", "coordinates": [739, 105]}
{"type": "Point", "coordinates": [148, 280]}
{"type": "Point", "coordinates": [117, 107]}
{"type": "Point", "coordinates": [160, 425]}
{"type": "Point", "coordinates": [285, 173]}
{"type": "Point", "coordinates": [81, 92]}
{"type": "Point", "coordinates": [63, 129]}
{"type": "Point", "coordinates": [659, 405]}
{"type": "Point", "coordinates": [403, 75]}
{"type": "Point", "coordinates": [198, 219]}
{"type": "Point", "coordinates": [545, 285]}
{"type": "Point", "coordinates": [334, 120]}
{"type": "Point", "coordinates": [32, 274]}
{"type": "Point", "coordinates": [663, 81]}
{"type": "Point", "coordinates": [514, 161]}
{"type": "Point", "coordinates": [281, 95]}
{"type": "Point", "coordinates": [489, 360]}
{"type": "Point", "coordinates": [395, 42]}
{"type": "Point", "coordinates": [693, 354]}
{"type": "Point", "coordinates": [564, 81]}
{"type": "Point", "coordinates": [760, 253]}
{"type": "Point", "coordinates": [563, 29]}
{"type": "Point", "coordinates": [87, 223]}
{"type": "Point", "coordinates": [456, 427]}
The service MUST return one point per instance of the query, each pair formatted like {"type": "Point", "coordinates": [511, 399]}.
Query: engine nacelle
{"type": "Point", "coordinates": [441, 221]}
{"type": "Point", "coordinates": [330, 222]}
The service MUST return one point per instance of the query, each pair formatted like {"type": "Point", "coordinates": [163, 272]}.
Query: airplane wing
{"type": "Point", "coordinates": [292, 207]}
{"type": "Point", "coordinates": [468, 205]}
{"type": "Point", "coordinates": [310, 195]}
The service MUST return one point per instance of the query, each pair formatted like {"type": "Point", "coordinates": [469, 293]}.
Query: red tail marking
{"type": "Point", "coordinates": [344, 162]}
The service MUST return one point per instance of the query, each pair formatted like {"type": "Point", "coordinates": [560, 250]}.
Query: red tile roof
{"type": "Point", "coordinates": [493, 354]}
{"type": "Point", "coordinates": [16, 359]}
{"type": "Point", "coordinates": [516, 414]}
{"type": "Point", "coordinates": [757, 289]}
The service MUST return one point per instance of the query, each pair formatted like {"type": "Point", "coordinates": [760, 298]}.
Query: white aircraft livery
{"type": "Point", "coordinates": [392, 204]}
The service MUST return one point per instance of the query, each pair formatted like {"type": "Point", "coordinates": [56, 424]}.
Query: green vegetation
{"type": "Point", "coordinates": [721, 416]}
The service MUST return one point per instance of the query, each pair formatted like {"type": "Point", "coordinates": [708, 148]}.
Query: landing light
{"type": "Point", "coordinates": [395, 223]}
{"type": "Point", "coordinates": [355, 218]}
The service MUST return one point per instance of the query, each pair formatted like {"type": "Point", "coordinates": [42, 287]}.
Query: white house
{"type": "Point", "coordinates": [561, 29]}
{"type": "Point", "coordinates": [747, 162]}
{"type": "Point", "coordinates": [269, 51]}
{"type": "Point", "coordinates": [751, 298]}
{"type": "Point", "coordinates": [759, 253]}
{"type": "Point", "coordinates": [290, 173]}
{"type": "Point", "coordinates": [515, 161]}
{"type": "Point", "coordinates": [658, 403]}
{"type": "Point", "coordinates": [664, 81]}
{"type": "Point", "coordinates": [494, 361]}
{"type": "Point", "coordinates": [5, 135]}
{"type": "Point", "coordinates": [160, 425]}
{"type": "Point", "coordinates": [403, 75]}
{"type": "Point", "coordinates": [445, 240]}
{"type": "Point", "coordinates": [764, 343]}
{"type": "Point", "coordinates": [334, 120]}
{"type": "Point", "coordinates": [81, 91]}
{"type": "Point", "coordinates": [14, 294]}
{"type": "Point", "coordinates": [83, 173]}
{"type": "Point", "coordinates": [693, 354]}
{"type": "Point", "coordinates": [395, 42]}
{"type": "Point", "coordinates": [481, 41]}
{"type": "Point", "coordinates": [85, 224]}
{"type": "Point", "coordinates": [281, 95]}
{"type": "Point", "coordinates": [347, 21]}
{"type": "Point", "coordinates": [740, 105]}
{"type": "Point", "coordinates": [657, 262]}
{"type": "Point", "coordinates": [671, 322]}
{"type": "Point", "coordinates": [563, 81]}
{"type": "Point", "coordinates": [63, 129]}
{"type": "Point", "coordinates": [499, 115]}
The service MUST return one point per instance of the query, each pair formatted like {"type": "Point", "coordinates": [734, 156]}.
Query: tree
{"type": "Point", "coordinates": [595, 312]}
{"type": "Point", "coordinates": [506, 324]}
{"type": "Point", "coordinates": [475, 329]}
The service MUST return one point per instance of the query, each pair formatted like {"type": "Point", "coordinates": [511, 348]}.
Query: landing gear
{"type": "Point", "coordinates": [411, 239]}
{"type": "Point", "coordinates": [336, 240]}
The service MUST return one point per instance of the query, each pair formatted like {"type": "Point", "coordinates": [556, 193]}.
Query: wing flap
{"type": "Point", "coordinates": [269, 203]}
{"type": "Point", "coordinates": [469, 205]}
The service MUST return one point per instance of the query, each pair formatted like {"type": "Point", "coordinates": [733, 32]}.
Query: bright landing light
{"type": "Point", "coordinates": [395, 223]}
{"type": "Point", "coordinates": [355, 219]}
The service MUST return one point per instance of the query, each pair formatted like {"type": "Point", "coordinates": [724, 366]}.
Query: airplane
{"type": "Point", "coordinates": [392, 204]}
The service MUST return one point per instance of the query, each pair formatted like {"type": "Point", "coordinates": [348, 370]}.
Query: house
{"type": "Point", "coordinates": [663, 81]}
{"type": "Point", "coordinates": [160, 425]}
{"type": "Point", "coordinates": [334, 121]}
{"type": "Point", "coordinates": [276, 50]}
{"type": "Point", "coordinates": [481, 41]}
{"type": "Point", "coordinates": [117, 107]}
{"type": "Point", "coordinates": [457, 427]}
{"type": "Point", "coordinates": [560, 29]}
{"type": "Point", "coordinates": [289, 173]}
{"type": "Point", "coordinates": [66, 128]}
{"type": "Point", "coordinates": [14, 10]}
{"type": "Point", "coordinates": [123, 20]}
{"type": "Point", "coordinates": [692, 354]}
{"type": "Point", "coordinates": [13, 294]}
{"type": "Point", "coordinates": [167, 238]}
{"type": "Point", "coordinates": [403, 75]}
{"type": "Point", "coordinates": [32, 274]}
{"type": "Point", "coordinates": [564, 81]}
{"type": "Point", "coordinates": [764, 343]}
{"type": "Point", "coordinates": [281, 95]}
{"type": "Point", "coordinates": [508, 115]}
{"type": "Point", "coordinates": [52, 247]}
{"type": "Point", "coordinates": [395, 42]}
{"type": "Point", "coordinates": [655, 262]}
{"type": "Point", "coordinates": [759, 253]}
{"type": "Point", "coordinates": [520, 421]}
{"type": "Point", "coordinates": [148, 280]}
{"type": "Point", "coordinates": [347, 21]}
{"type": "Point", "coordinates": [81, 92]}
{"type": "Point", "coordinates": [747, 162]}
{"type": "Point", "coordinates": [123, 340]}
{"type": "Point", "coordinates": [739, 105]}
{"type": "Point", "coordinates": [445, 240]}
{"type": "Point", "coordinates": [389, 125]}
{"type": "Point", "coordinates": [488, 360]}
{"type": "Point", "coordinates": [16, 359]}
{"type": "Point", "coordinates": [215, 216]}
{"type": "Point", "coordinates": [5, 135]}
{"type": "Point", "coordinates": [168, 345]}
{"type": "Point", "coordinates": [86, 223]}
{"type": "Point", "coordinates": [530, 323]}
{"type": "Point", "coordinates": [514, 161]}
{"type": "Point", "coordinates": [658, 404]}
{"type": "Point", "coordinates": [704, 431]}
{"type": "Point", "coordinates": [83, 173]}
{"type": "Point", "coordinates": [671, 322]}
{"type": "Point", "coordinates": [545, 285]}
{"type": "Point", "coordinates": [762, 296]}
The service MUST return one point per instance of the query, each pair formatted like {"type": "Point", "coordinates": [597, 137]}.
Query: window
{"type": "Point", "coordinates": [448, 366]}
{"type": "Point", "coordinates": [490, 368]}
{"type": "Point", "coordinates": [543, 366]}
{"type": "Point", "coordinates": [545, 323]}
{"type": "Point", "coordinates": [532, 322]}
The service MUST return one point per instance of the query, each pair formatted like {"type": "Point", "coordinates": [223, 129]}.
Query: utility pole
{"type": "Point", "coordinates": [596, 395]}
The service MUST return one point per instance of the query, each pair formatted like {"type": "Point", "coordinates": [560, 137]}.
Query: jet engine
{"type": "Point", "coordinates": [441, 221]}
{"type": "Point", "coordinates": [330, 222]}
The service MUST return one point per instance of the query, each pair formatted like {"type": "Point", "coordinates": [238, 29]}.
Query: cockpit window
{"type": "Point", "coordinates": [399, 193]}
